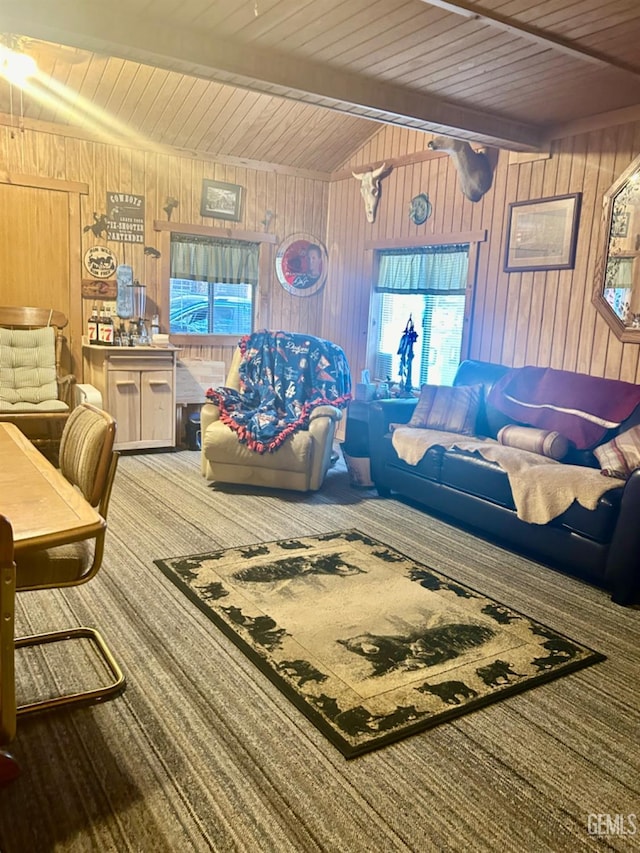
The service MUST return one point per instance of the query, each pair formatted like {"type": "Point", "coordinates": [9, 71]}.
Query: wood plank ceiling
{"type": "Point", "coordinates": [303, 83]}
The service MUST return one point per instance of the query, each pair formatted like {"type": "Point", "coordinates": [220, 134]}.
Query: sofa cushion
{"type": "Point", "coordinates": [484, 479]}
{"type": "Point", "coordinates": [429, 466]}
{"type": "Point", "coordinates": [486, 374]}
{"type": "Point", "coordinates": [452, 409]}
{"type": "Point", "coordinates": [477, 476]}
{"type": "Point", "coordinates": [28, 366]}
{"type": "Point", "coordinates": [621, 455]}
{"type": "Point", "coordinates": [544, 442]}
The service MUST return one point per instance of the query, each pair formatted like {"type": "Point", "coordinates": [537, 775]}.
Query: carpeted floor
{"type": "Point", "coordinates": [202, 752]}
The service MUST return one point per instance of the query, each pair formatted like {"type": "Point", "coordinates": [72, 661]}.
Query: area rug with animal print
{"type": "Point", "coordinates": [370, 644]}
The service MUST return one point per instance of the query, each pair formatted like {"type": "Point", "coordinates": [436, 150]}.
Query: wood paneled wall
{"type": "Point", "coordinates": [297, 203]}
{"type": "Point", "coordinates": [541, 318]}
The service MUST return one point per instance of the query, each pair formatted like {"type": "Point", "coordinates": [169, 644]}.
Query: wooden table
{"type": "Point", "coordinates": [44, 510]}
{"type": "Point", "coordinates": [43, 507]}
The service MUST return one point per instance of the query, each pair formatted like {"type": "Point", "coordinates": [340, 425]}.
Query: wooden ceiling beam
{"type": "Point", "coordinates": [113, 30]}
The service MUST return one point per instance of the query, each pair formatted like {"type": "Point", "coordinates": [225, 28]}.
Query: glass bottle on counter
{"type": "Point", "coordinates": [155, 326]}
{"type": "Point", "coordinates": [106, 328]}
{"type": "Point", "coordinates": [93, 325]}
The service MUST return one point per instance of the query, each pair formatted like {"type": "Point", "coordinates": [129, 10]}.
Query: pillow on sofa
{"type": "Point", "coordinates": [453, 409]}
{"type": "Point", "coordinates": [544, 442]}
{"type": "Point", "coordinates": [621, 455]}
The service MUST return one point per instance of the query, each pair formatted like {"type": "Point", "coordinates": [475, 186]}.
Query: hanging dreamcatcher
{"type": "Point", "coordinates": [405, 351]}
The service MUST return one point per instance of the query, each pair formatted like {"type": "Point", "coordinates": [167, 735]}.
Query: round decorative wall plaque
{"type": "Point", "coordinates": [420, 209]}
{"type": "Point", "coordinates": [301, 264]}
{"type": "Point", "coordinates": [100, 261]}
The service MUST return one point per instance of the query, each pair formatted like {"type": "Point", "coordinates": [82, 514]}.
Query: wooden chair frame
{"type": "Point", "coordinates": [42, 429]}
{"type": "Point", "coordinates": [104, 474]}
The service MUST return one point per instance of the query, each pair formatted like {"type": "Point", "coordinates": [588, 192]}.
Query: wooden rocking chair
{"type": "Point", "coordinates": [34, 393]}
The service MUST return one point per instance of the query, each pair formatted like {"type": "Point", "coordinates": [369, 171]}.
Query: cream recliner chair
{"type": "Point", "coordinates": [300, 463]}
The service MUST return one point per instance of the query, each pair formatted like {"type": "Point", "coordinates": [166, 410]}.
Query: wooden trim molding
{"type": "Point", "coordinates": [207, 231]}
{"type": "Point", "coordinates": [391, 163]}
{"type": "Point", "coordinates": [44, 183]}
{"type": "Point", "coordinates": [428, 240]}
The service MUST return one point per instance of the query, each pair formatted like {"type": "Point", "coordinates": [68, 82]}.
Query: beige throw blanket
{"type": "Point", "coordinates": [542, 488]}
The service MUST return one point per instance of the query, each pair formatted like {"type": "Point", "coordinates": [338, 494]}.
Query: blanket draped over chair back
{"type": "Point", "coordinates": [284, 376]}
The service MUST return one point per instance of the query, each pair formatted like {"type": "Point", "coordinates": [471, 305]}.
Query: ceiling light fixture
{"type": "Point", "coordinates": [16, 67]}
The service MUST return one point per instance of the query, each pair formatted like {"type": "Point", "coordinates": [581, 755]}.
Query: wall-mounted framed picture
{"type": "Point", "coordinates": [301, 264]}
{"type": "Point", "coordinates": [542, 233]}
{"type": "Point", "coordinates": [221, 201]}
{"type": "Point", "coordinates": [620, 223]}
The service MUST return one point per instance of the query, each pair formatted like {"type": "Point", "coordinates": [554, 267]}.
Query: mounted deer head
{"type": "Point", "coordinates": [474, 168]}
{"type": "Point", "coordinates": [370, 189]}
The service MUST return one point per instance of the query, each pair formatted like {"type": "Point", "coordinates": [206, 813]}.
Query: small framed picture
{"type": "Point", "coordinates": [620, 223]}
{"type": "Point", "coordinates": [542, 233]}
{"type": "Point", "coordinates": [221, 201]}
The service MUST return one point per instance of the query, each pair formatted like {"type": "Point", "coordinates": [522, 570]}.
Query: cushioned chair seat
{"type": "Point", "coordinates": [223, 447]}
{"type": "Point", "coordinates": [64, 564]}
{"type": "Point", "coordinates": [22, 407]}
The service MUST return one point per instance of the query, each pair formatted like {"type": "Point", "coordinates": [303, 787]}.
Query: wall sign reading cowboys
{"type": "Point", "coordinates": [125, 217]}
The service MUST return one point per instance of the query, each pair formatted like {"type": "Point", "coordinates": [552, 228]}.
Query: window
{"type": "Point", "coordinates": [210, 308]}
{"type": "Point", "coordinates": [427, 284]}
{"type": "Point", "coordinates": [212, 286]}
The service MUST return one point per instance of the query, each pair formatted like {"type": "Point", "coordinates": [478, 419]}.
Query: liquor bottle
{"type": "Point", "coordinates": [106, 328]}
{"type": "Point", "coordinates": [110, 332]}
{"type": "Point", "coordinates": [92, 325]}
{"type": "Point", "coordinates": [102, 320]}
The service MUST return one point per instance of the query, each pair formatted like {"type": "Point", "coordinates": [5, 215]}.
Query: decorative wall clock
{"type": "Point", "coordinates": [100, 261]}
{"type": "Point", "coordinates": [420, 209]}
{"type": "Point", "coordinates": [301, 264]}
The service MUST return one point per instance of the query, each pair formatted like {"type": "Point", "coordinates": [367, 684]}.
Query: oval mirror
{"type": "Point", "coordinates": [616, 293]}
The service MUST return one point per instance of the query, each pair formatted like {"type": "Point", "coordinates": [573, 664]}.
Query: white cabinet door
{"type": "Point", "coordinates": [157, 409]}
{"type": "Point", "coordinates": [124, 404]}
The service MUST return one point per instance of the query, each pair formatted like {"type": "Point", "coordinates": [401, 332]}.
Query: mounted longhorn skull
{"type": "Point", "coordinates": [474, 168]}
{"type": "Point", "coordinates": [370, 189]}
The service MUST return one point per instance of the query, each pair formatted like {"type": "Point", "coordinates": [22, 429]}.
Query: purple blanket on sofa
{"type": "Point", "coordinates": [581, 407]}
